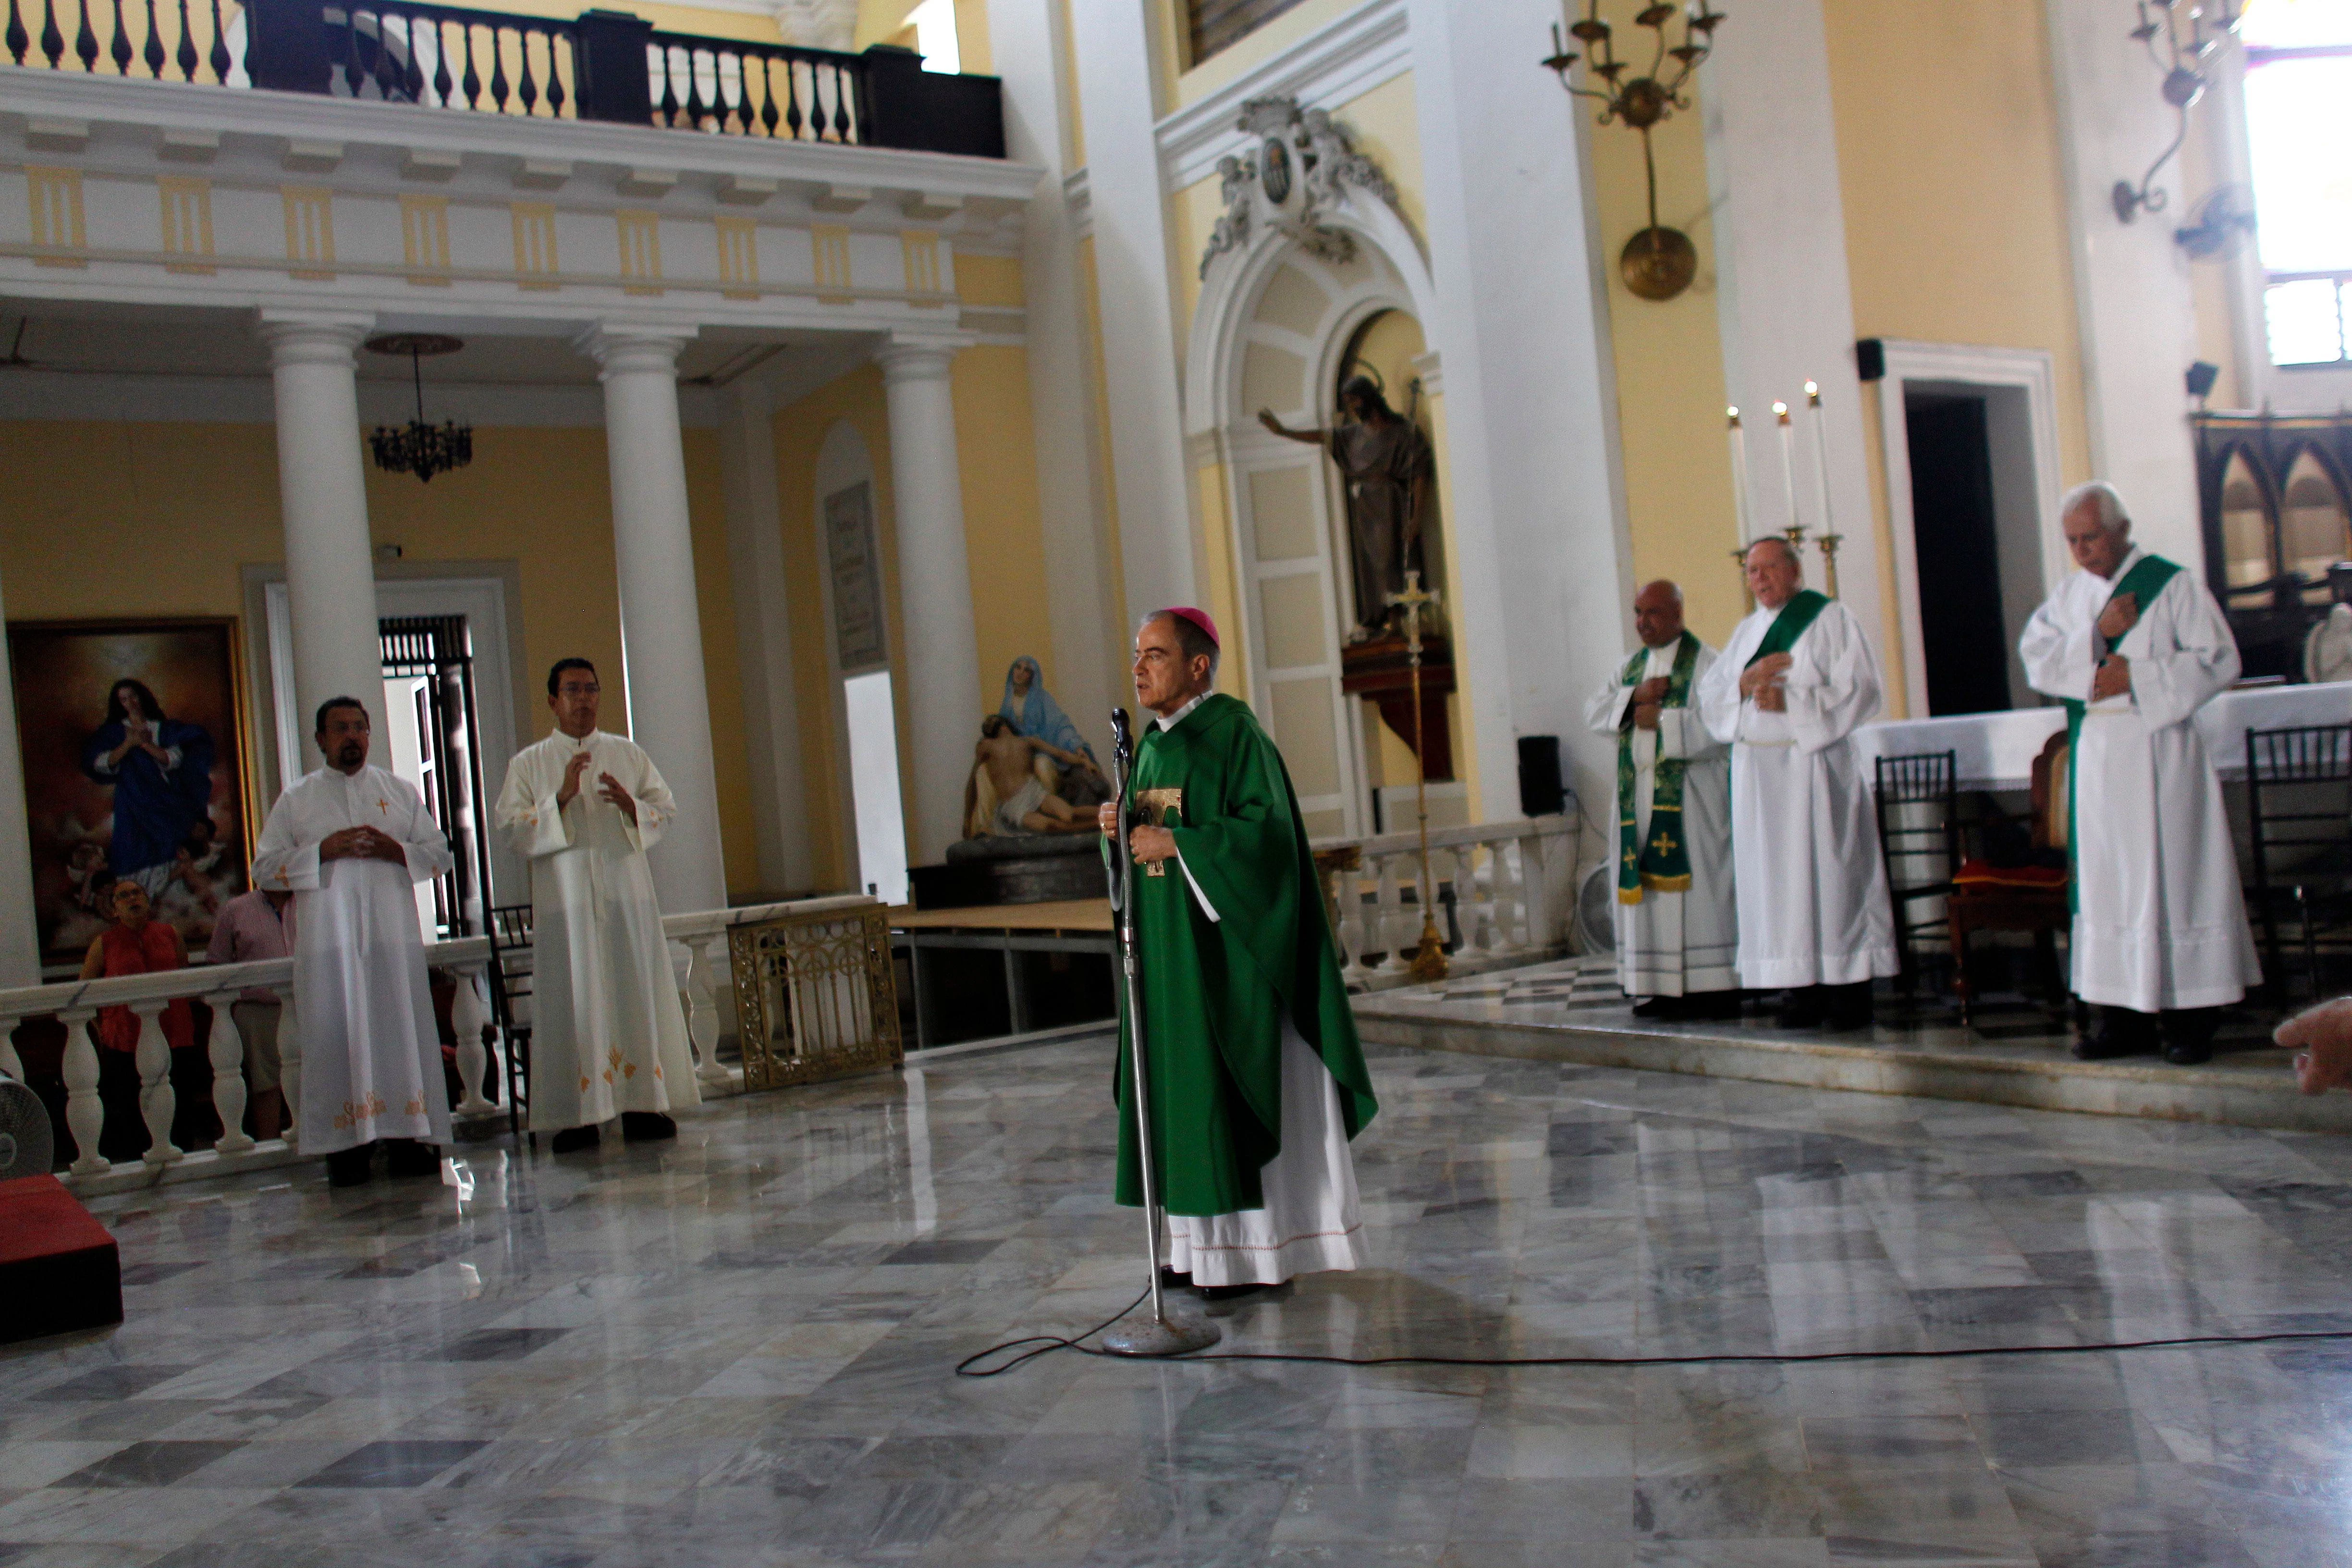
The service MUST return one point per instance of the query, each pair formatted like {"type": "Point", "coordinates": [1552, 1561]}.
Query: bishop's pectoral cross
{"type": "Point", "coordinates": [1428, 962]}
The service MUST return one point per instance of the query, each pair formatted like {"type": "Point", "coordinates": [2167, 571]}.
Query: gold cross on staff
{"type": "Point", "coordinates": [1412, 601]}
{"type": "Point", "coordinates": [1429, 962]}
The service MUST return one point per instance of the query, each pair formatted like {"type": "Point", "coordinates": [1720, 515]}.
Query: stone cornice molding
{"type": "Point", "coordinates": [995, 187]}
{"type": "Point", "coordinates": [1339, 61]}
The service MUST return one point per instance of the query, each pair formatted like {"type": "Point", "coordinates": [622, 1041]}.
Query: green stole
{"type": "Point", "coordinates": [1663, 863]}
{"type": "Point", "coordinates": [1790, 624]}
{"type": "Point", "coordinates": [2145, 581]}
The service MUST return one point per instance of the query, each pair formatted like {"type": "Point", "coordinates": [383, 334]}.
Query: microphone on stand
{"type": "Point", "coordinates": [1158, 1335]}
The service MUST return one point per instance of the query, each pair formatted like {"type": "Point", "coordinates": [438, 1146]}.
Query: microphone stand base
{"type": "Point", "coordinates": [1164, 1336]}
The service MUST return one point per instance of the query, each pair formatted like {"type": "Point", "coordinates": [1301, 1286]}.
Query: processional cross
{"type": "Point", "coordinates": [1428, 960]}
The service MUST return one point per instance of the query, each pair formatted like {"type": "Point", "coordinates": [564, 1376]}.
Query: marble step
{"type": "Point", "coordinates": [2240, 1087]}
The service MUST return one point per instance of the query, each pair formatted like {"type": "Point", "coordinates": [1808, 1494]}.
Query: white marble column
{"type": "Point", "coordinates": [661, 623]}
{"type": "Point", "coordinates": [20, 951]}
{"type": "Point", "coordinates": [943, 681]}
{"type": "Point", "coordinates": [322, 494]}
{"type": "Point", "coordinates": [1158, 547]}
{"type": "Point", "coordinates": [1086, 602]}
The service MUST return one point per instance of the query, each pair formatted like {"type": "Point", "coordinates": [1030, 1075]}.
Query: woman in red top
{"type": "Point", "coordinates": [137, 944]}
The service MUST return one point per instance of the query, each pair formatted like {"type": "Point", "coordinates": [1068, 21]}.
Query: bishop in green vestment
{"type": "Point", "coordinates": [1258, 1079]}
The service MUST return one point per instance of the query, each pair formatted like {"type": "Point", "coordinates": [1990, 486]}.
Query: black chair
{"type": "Point", "coordinates": [510, 983]}
{"type": "Point", "coordinates": [1929, 779]}
{"type": "Point", "coordinates": [2299, 806]}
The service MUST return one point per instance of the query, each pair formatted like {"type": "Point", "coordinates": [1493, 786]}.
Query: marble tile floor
{"type": "Point", "coordinates": [736, 1349]}
{"type": "Point", "coordinates": [2017, 1053]}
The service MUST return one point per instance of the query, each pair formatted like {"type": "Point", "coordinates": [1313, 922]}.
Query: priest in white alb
{"type": "Point", "coordinates": [608, 1034]}
{"type": "Point", "coordinates": [351, 842]}
{"type": "Point", "coordinates": [1677, 929]}
{"type": "Point", "coordinates": [1796, 680]}
{"type": "Point", "coordinates": [2133, 646]}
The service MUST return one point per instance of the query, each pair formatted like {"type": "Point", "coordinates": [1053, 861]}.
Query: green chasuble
{"type": "Point", "coordinates": [1216, 992]}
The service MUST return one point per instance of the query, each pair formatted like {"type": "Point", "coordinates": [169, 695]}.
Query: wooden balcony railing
{"type": "Point", "coordinates": [602, 65]}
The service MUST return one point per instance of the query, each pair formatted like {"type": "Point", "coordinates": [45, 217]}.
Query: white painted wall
{"type": "Point", "coordinates": [1784, 299]}
{"type": "Point", "coordinates": [2131, 280]}
{"type": "Point", "coordinates": [1543, 565]}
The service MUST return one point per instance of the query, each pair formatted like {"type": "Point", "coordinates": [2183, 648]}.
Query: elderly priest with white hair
{"type": "Point", "coordinates": [1677, 931]}
{"type": "Point", "coordinates": [2133, 646]}
{"type": "Point", "coordinates": [1794, 682]}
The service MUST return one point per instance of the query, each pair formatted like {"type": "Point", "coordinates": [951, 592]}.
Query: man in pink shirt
{"type": "Point", "coordinates": [249, 928]}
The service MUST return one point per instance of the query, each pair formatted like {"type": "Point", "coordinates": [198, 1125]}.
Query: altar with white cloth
{"type": "Point", "coordinates": [1996, 751]}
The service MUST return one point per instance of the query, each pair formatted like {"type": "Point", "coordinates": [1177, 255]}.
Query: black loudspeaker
{"type": "Point", "coordinates": [1541, 793]}
{"type": "Point", "coordinates": [1870, 359]}
{"type": "Point", "coordinates": [2201, 377]}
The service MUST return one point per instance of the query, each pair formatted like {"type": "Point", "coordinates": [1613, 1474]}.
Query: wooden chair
{"type": "Point", "coordinates": [1920, 847]}
{"type": "Point", "coordinates": [2030, 898]}
{"type": "Point", "coordinates": [2299, 807]}
{"type": "Point", "coordinates": [511, 985]}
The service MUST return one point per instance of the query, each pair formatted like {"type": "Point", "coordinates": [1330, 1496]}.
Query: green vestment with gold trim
{"type": "Point", "coordinates": [1215, 992]}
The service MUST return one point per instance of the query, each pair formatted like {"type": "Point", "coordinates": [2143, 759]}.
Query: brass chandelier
{"type": "Point", "coordinates": [1658, 263]}
{"type": "Point", "coordinates": [418, 448]}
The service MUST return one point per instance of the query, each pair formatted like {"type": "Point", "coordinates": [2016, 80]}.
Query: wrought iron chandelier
{"type": "Point", "coordinates": [2183, 62]}
{"type": "Point", "coordinates": [1658, 263]}
{"type": "Point", "coordinates": [418, 448]}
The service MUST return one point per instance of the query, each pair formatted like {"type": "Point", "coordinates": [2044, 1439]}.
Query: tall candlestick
{"type": "Point", "coordinates": [1789, 471]}
{"type": "Point", "coordinates": [1820, 454]}
{"type": "Point", "coordinates": [1738, 437]}
{"type": "Point", "coordinates": [1829, 538]}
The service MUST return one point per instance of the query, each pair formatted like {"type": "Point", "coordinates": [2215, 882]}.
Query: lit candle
{"type": "Point", "coordinates": [1820, 454]}
{"type": "Point", "coordinates": [1788, 466]}
{"type": "Point", "coordinates": [1738, 474]}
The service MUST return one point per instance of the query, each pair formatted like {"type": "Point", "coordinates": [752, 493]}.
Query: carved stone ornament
{"type": "Point", "coordinates": [1291, 181]}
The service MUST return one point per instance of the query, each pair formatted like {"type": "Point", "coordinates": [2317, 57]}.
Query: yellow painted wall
{"type": "Point", "coordinates": [1386, 125]}
{"type": "Point", "coordinates": [1669, 362]}
{"type": "Point", "coordinates": [1948, 138]}
{"type": "Point", "coordinates": [185, 506]}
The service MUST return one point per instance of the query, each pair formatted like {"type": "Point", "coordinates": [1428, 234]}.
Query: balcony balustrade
{"type": "Point", "coordinates": [608, 65]}
{"type": "Point", "coordinates": [481, 1047]}
{"type": "Point", "coordinates": [1507, 885]}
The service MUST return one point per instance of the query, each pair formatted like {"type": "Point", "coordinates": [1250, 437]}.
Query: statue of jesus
{"type": "Point", "coordinates": [1385, 463]}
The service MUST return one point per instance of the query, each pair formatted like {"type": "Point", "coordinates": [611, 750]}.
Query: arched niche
{"type": "Point", "coordinates": [1277, 327]}
{"type": "Point", "coordinates": [2315, 523]}
{"type": "Point", "coordinates": [2246, 558]}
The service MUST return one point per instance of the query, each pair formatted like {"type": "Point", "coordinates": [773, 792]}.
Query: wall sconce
{"type": "Point", "coordinates": [1658, 263]}
{"type": "Point", "coordinates": [2183, 64]}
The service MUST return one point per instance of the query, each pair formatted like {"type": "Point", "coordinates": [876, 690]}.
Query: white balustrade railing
{"type": "Point", "coordinates": [1509, 882]}
{"type": "Point", "coordinates": [481, 1049]}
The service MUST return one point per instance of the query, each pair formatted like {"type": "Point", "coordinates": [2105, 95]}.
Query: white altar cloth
{"type": "Point", "coordinates": [1996, 751]}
